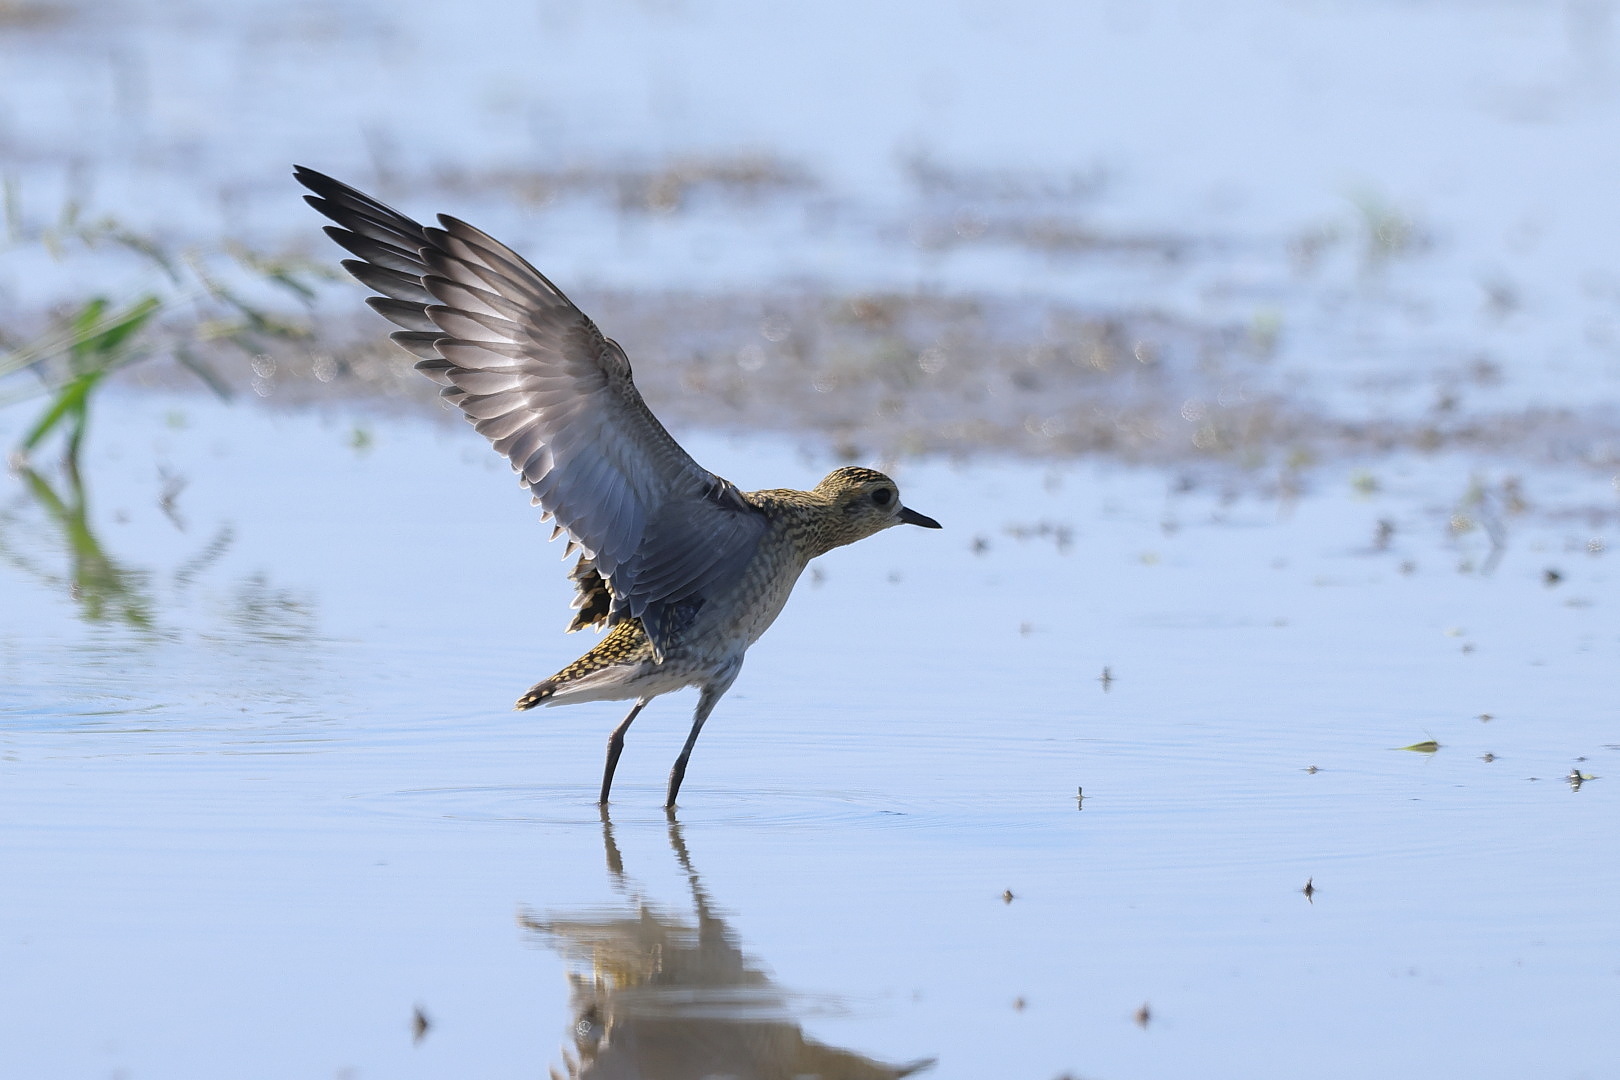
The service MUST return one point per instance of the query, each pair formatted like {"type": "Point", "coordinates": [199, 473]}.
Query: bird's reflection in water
{"type": "Point", "coordinates": [656, 996]}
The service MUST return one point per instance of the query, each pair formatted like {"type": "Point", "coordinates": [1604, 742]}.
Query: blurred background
{"type": "Point", "coordinates": [1190, 230]}
{"type": "Point", "coordinates": [1250, 716]}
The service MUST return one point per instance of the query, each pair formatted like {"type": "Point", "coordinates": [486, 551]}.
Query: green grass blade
{"type": "Point", "coordinates": [100, 337]}
{"type": "Point", "coordinates": [72, 398]}
{"type": "Point", "coordinates": [1428, 746]}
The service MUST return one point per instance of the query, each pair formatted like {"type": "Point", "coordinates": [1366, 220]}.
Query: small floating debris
{"type": "Point", "coordinates": [1312, 770]}
{"type": "Point", "coordinates": [1427, 746]}
{"type": "Point", "coordinates": [1079, 798]}
{"type": "Point", "coordinates": [1310, 889]}
{"type": "Point", "coordinates": [1143, 1016]}
{"type": "Point", "coordinates": [1487, 757]}
{"type": "Point", "coordinates": [1106, 678]}
{"type": "Point", "coordinates": [420, 1024]}
{"type": "Point", "coordinates": [1576, 778]}
{"type": "Point", "coordinates": [1007, 897]}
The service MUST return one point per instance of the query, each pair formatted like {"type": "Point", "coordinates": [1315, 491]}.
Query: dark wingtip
{"type": "Point", "coordinates": [311, 179]}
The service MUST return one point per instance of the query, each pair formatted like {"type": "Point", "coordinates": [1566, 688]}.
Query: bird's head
{"type": "Point", "coordinates": [863, 502]}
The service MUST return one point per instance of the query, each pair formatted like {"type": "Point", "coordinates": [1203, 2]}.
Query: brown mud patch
{"type": "Point", "coordinates": [887, 376]}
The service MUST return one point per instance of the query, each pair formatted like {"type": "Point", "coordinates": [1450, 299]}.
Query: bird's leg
{"type": "Point", "coordinates": [706, 703]}
{"type": "Point", "coordinates": [616, 747]}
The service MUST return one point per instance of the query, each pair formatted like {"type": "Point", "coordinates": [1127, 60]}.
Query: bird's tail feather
{"type": "Point", "coordinates": [537, 695]}
{"type": "Point", "coordinates": [625, 647]}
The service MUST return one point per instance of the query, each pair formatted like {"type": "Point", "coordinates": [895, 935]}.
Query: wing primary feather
{"type": "Point", "coordinates": [403, 313]}
{"type": "Point", "coordinates": [399, 232]}
{"type": "Point", "coordinates": [496, 255]}
{"type": "Point", "coordinates": [391, 283]}
{"type": "Point", "coordinates": [445, 270]}
{"type": "Point", "coordinates": [435, 369]}
{"type": "Point", "coordinates": [492, 265]}
{"type": "Point", "coordinates": [472, 325]}
{"type": "Point", "coordinates": [351, 199]}
{"type": "Point", "coordinates": [376, 252]}
{"type": "Point", "coordinates": [471, 297]}
{"type": "Point", "coordinates": [421, 343]}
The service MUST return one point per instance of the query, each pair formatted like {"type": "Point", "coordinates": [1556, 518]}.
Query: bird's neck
{"type": "Point", "coordinates": [810, 521]}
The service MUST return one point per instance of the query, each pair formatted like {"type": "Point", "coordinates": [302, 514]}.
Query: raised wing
{"type": "Point", "coordinates": [538, 379]}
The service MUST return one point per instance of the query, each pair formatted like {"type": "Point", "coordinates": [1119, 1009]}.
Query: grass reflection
{"type": "Point", "coordinates": [53, 516]}
{"type": "Point", "coordinates": [105, 589]}
{"type": "Point", "coordinates": [659, 994]}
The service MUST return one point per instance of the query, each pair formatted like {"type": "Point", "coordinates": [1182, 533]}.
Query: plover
{"type": "Point", "coordinates": [683, 569]}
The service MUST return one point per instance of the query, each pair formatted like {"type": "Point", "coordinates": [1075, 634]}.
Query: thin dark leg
{"type": "Point", "coordinates": [705, 705]}
{"type": "Point", "coordinates": [616, 747]}
{"type": "Point", "coordinates": [678, 773]}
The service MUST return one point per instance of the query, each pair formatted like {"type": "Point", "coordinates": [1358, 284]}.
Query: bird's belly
{"type": "Point", "coordinates": [732, 622]}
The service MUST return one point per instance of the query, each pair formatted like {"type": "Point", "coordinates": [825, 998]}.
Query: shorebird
{"type": "Point", "coordinates": [683, 569]}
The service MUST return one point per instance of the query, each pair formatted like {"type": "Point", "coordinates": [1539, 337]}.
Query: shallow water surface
{"type": "Point", "coordinates": [263, 803]}
{"type": "Point", "coordinates": [1293, 753]}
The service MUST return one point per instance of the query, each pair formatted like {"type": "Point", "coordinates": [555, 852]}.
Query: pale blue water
{"type": "Point", "coordinates": [252, 837]}
{"type": "Point", "coordinates": [261, 793]}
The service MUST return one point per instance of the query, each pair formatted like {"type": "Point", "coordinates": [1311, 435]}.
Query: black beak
{"type": "Point", "coordinates": [908, 516]}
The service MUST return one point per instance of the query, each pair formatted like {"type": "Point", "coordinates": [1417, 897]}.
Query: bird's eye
{"type": "Point", "coordinates": [882, 496]}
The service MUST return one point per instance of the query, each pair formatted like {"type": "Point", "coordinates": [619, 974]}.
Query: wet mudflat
{"type": "Point", "coordinates": [264, 799]}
